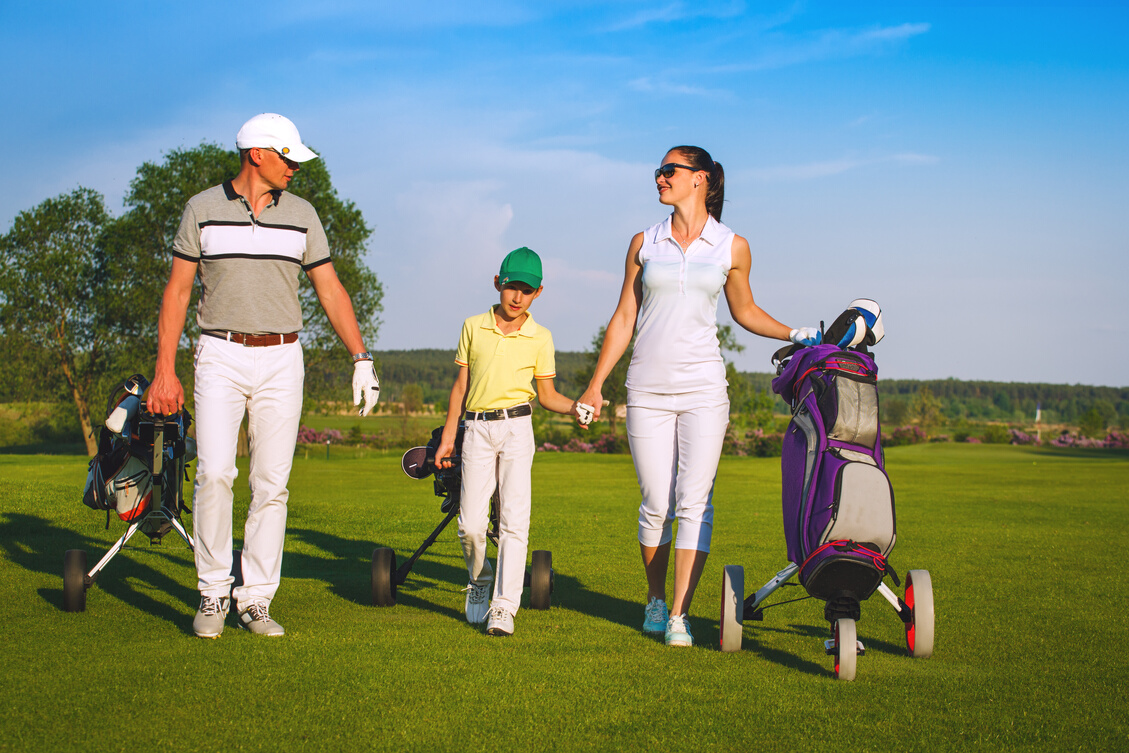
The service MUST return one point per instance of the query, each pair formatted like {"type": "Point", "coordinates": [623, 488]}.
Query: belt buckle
{"type": "Point", "coordinates": [495, 415]}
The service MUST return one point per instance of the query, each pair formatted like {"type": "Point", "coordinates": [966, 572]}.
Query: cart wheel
{"type": "Point", "coordinates": [732, 607]}
{"type": "Point", "coordinates": [846, 648]}
{"type": "Point", "coordinates": [919, 599]}
{"type": "Point", "coordinates": [383, 567]}
{"type": "Point", "coordinates": [74, 586]}
{"type": "Point", "coordinates": [541, 579]}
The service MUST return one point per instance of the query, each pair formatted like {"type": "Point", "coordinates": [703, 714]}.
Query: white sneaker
{"type": "Point", "coordinates": [499, 622]}
{"type": "Point", "coordinates": [209, 620]}
{"type": "Point", "coordinates": [655, 616]}
{"type": "Point", "coordinates": [256, 618]}
{"type": "Point", "coordinates": [477, 602]}
{"type": "Point", "coordinates": [678, 631]}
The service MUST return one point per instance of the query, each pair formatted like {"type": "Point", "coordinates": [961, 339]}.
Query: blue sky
{"type": "Point", "coordinates": [963, 163]}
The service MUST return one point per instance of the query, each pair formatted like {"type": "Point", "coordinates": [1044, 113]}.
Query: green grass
{"type": "Point", "coordinates": [1025, 548]}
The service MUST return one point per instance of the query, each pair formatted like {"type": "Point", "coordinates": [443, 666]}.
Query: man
{"type": "Point", "coordinates": [247, 239]}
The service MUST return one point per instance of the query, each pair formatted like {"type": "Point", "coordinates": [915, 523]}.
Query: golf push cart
{"type": "Point", "coordinates": [139, 473]}
{"type": "Point", "coordinates": [838, 505]}
{"type": "Point", "coordinates": [419, 463]}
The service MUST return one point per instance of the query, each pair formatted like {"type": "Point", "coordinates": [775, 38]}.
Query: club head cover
{"type": "Point", "coordinates": [872, 313]}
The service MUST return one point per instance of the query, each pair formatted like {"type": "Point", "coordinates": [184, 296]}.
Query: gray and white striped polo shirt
{"type": "Point", "coordinates": [249, 265]}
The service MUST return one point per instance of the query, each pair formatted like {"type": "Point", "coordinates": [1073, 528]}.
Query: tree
{"type": "Point", "coordinates": [51, 269]}
{"type": "Point", "coordinates": [411, 400]}
{"type": "Point", "coordinates": [926, 409]}
{"type": "Point", "coordinates": [615, 386]}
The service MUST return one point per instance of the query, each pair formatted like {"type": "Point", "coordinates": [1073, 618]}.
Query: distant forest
{"type": "Point", "coordinates": [434, 370]}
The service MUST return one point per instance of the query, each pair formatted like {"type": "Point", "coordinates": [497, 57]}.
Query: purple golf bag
{"type": "Point", "coordinates": [837, 500]}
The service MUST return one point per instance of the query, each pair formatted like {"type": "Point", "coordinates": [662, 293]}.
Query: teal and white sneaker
{"type": "Point", "coordinates": [678, 631]}
{"type": "Point", "coordinates": [655, 616]}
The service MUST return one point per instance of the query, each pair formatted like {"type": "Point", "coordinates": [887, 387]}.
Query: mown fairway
{"type": "Point", "coordinates": [1025, 547]}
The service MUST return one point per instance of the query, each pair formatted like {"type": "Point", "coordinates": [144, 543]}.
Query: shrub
{"type": "Point", "coordinates": [996, 434]}
{"type": "Point", "coordinates": [1019, 437]}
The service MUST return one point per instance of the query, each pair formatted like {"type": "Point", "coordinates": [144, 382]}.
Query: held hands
{"type": "Point", "coordinates": [366, 386]}
{"type": "Point", "coordinates": [806, 336]}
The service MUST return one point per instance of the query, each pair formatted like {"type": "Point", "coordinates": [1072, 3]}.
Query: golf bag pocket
{"type": "Point", "coordinates": [104, 467]}
{"type": "Point", "coordinates": [861, 508]}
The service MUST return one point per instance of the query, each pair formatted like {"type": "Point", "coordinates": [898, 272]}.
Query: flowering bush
{"type": "Point", "coordinates": [306, 435]}
{"type": "Point", "coordinates": [604, 443]}
{"type": "Point", "coordinates": [754, 443]}
{"type": "Point", "coordinates": [972, 440]}
{"type": "Point", "coordinates": [1113, 440]}
{"type": "Point", "coordinates": [904, 435]}
{"type": "Point", "coordinates": [1019, 437]}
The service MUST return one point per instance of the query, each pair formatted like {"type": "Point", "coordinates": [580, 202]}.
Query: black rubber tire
{"type": "Point", "coordinates": [541, 579]}
{"type": "Point", "coordinates": [74, 585]}
{"type": "Point", "coordinates": [383, 568]}
{"type": "Point", "coordinates": [732, 608]}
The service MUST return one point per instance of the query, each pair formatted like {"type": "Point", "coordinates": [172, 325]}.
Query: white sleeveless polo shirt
{"type": "Point", "coordinates": [676, 347]}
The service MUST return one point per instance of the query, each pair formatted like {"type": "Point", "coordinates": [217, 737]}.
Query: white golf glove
{"type": "Point", "coordinates": [585, 413]}
{"type": "Point", "coordinates": [806, 336]}
{"type": "Point", "coordinates": [365, 386]}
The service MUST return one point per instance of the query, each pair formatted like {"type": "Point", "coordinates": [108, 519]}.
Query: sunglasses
{"type": "Point", "coordinates": [289, 162]}
{"type": "Point", "coordinates": [667, 170]}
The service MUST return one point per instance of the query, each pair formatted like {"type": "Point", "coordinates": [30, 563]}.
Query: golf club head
{"type": "Point", "coordinates": [415, 463]}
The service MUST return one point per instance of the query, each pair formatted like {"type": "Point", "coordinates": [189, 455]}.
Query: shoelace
{"type": "Point", "coordinates": [496, 613]}
{"type": "Point", "coordinates": [258, 613]}
{"type": "Point", "coordinates": [654, 611]}
{"type": "Point", "coordinates": [211, 606]}
{"type": "Point", "coordinates": [477, 593]}
{"type": "Point", "coordinates": [679, 624]}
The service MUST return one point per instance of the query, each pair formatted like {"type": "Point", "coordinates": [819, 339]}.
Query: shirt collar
{"type": "Point", "coordinates": [528, 328]}
{"type": "Point", "coordinates": [231, 194]}
{"type": "Point", "coordinates": [712, 233]}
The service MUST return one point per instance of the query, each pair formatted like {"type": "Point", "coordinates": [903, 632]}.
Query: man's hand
{"type": "Point", "coordinates": [366, 386]}
{"type": "Point", "coordinates": [585, 414]}
{"type": "Point", "coordinates": [165, 396]}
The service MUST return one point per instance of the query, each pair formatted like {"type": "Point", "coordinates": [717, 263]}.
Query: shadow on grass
{"type": "Point", "coordinates": [37, 545]}
{"type": "Point", "coordinates": [1093, 453]}
{"type": "Point", "coordinates": [349, 576]}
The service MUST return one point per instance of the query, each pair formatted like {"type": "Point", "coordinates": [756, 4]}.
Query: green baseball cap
{"type": "Point", "coordinates": [521, 265]}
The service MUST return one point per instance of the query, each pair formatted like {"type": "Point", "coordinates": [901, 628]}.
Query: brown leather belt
{"type": "Point", "coordinates": [497, 415]}
{"type": "Point", "coordinates": [252, 341]}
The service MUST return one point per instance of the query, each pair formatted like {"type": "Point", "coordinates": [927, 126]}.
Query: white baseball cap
{"type": "Point", "coordinates": [273, 131]}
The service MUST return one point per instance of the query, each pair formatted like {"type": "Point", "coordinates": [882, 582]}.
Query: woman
{"type": "Point", "coordinates": [677, 404]}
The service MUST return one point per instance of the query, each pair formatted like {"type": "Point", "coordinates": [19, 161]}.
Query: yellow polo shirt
{"type": "Point", "coordinates": [503, 367]}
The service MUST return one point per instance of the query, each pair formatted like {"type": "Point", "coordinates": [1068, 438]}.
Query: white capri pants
{"type": "Point", "coordinates": [497, 454]}
{"type": "Point", "coordinates": [676, 443]}
{"type": "Point", "coordinates": [266, 384]}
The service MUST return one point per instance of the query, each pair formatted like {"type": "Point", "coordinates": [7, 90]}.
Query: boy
{"type": "Point", "coordinates": [500, 354]}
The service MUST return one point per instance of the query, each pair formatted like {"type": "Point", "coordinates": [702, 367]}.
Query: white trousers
{"type": "Point", "coordinates": [676, 443]}
{"type": "Point", "coordinates": [497, 453]}
{"type": "Point", "coordinates": [266, 384]}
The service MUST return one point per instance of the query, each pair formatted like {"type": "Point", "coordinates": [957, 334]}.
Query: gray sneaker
{"type": "Point", "coordinates": [256, 619]}
{"type": "Point", "coordinates": [208, 622]}
{"type": "Point", "coordinates": [499, 622]}
{"type": "Point", "coordinates": [477, 602]}
{"type": "Point", "coordinates": [655, 616]}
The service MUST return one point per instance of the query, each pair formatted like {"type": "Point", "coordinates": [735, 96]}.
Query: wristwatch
{"type": "Point", "coordinates": [365, 356]}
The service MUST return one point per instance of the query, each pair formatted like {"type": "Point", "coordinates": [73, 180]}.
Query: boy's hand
{"type": "Point", "coordinates": [443, 454]}
{"type": "Point", "coordinates": [584, 414]}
